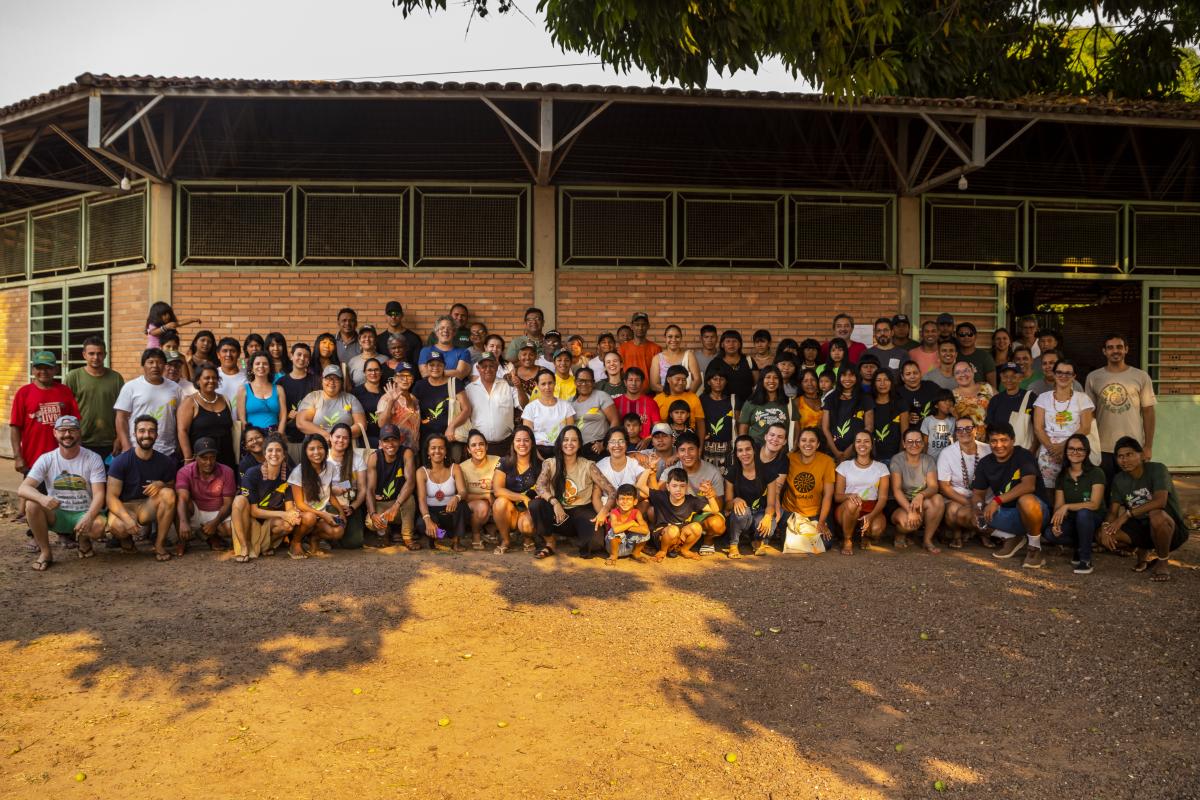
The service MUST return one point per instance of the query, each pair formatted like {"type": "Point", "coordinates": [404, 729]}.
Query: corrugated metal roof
{"type": "Point", "coordinates": [233, 87]}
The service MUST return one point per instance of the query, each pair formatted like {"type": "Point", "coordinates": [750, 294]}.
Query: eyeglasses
{"type": "Point", "coordinates": [964, 430]}
{"type": "Point", "coordinates": [912, 442]}
{"type": "Point", "coordinates": [1067, 374]}
{"type": "Point", "coordinates": [965, 334]}
{"type": "Point", "coordinates": [1076, 450]}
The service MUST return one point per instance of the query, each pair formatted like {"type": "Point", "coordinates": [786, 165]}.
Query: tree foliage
{"type": "Point", "coordinates": [992, 48]}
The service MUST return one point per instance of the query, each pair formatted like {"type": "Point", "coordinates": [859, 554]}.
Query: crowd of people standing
{"type": "Point", "coordinates": [629, 448]}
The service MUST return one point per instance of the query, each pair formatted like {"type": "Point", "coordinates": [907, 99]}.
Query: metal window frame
{"type": "Point", "coordinates": [1137, 209]}
{"type": "Point", "coordinates": [668, 247]}
{"type": "Point", "coordinates": [522, 198]}
{"type": "Point", "coordinates": [1126, 210]}
{"type": "Point", "coordinates": [887, 205]}
{"type": "Point", "coordinates": [928, 219]}
{"type": "Point", "coordinates": [1117, 211]}
{"type": "Point", "coordinates": [91, 202]}
{"type": "Point", "coordinates": [403, 255]}
{"type": "Point", "coordinates": [1152, 313]}
{"type": "Point", "coordinates": [674, 227]}
{"type": "Point", "coordinates": [295, 220]}
{"type": "Point", "coordinates": [779, 228]}
{"type": "Point", "coordinates": [28, 278]}
{"type": "Point", "coordinates": [183, 239]}
{"type": "Point", "coordinates": [72, 207]}
{"type": "Point", "coordinates": [64, 330]}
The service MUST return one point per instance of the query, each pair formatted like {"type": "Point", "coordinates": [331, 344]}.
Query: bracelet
{"type": "Point", "coordinates": [996, 499]}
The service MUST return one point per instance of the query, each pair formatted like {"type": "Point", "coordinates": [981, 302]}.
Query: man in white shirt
{"type": "Point", "coordinates": [955, 471]}
{"type": "Point", "coordinates": [232, 378]}
{"type": "Point", "coordinates": [492, 405]}
{"type": "Point", "coordinates": [74, 500]}
{"type": "Point", "coordinates": [150, 394]}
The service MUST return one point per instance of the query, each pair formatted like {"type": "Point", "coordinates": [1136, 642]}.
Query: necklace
{"type": "Point", "coordinates": [207, 400]}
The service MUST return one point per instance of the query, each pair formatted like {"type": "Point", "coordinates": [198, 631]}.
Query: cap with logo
{"type": "Point", "coordinates": [393, 308]}
{"type": "Point", "coordinates": [432, 354]}
{"type": "Point", "coordinates": [389, 432]}
{"type": "Point", "coordinates": [44, 358]}
{"type": "Point", "coordinates": [661, 427]}
{"type": "Point", "coordinates": [331, 372]}
{"type": "Point", "coordinates": [66, 422]}
{"type": "Point", "coordinates": [945, 319]}
{"type": "Point", "coordinates": [204, 446]}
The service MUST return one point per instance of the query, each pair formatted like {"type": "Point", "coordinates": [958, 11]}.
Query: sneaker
{"type": "Point", "coordinates": [1034, 558]}
{"type": "Point", "coordinates": [1010, 547]}
{"type": "Point", "coordinates": [707, 550]}
{"type": "Point", "coordinates": [1083, 568]}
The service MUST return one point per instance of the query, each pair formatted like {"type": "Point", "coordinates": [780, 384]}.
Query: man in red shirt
{"type": "Point", "coordinates": [843, 326]}
{"type": "Point", "coordinates": [639, 351]}
{"type": "Point", "coordinates": [35, 408]}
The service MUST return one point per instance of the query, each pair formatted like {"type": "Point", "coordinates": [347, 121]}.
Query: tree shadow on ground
{"type": "Point", "coordinates": [897, 670]}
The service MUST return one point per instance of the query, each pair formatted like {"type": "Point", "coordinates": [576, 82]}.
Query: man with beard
{"type": "Point", "coordinates": [141, 489]}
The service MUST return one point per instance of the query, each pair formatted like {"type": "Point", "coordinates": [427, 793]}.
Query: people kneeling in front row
{"type": "Point", "coordinates": [664, 498]}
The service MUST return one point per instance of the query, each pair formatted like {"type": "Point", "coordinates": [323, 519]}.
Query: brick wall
{"type": "Point", "coordinates": [794, 305]}
{"type": "Point", "coordinates": [1177, 357]}
{"type": "Point", "coordinates": [301, 305]}
{"type": "Point", "coordinates": [129, 300]}
{"type": "Point", "coordinates": [14, 322]}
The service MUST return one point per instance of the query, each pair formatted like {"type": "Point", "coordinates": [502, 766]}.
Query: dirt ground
{"type": "Point", "coordinates": [391, 674]}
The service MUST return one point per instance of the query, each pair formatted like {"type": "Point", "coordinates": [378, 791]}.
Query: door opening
{"type": "Point", "coordinates": [1085, 311]}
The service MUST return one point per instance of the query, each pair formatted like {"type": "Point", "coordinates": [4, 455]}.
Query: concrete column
{"type": "Point", "coordinates": [161, 255]}
{"type": "Point", "coordinates": [908, 232]}
{"type": "Point", "coordinates": [545, 253]}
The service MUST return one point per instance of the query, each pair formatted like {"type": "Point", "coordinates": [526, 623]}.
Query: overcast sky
{"type": "Point", "coordinates": [46, 44]}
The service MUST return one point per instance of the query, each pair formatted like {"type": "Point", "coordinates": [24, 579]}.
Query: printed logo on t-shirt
{"type": "Point", "coordinates": [1115, 399]}
{"type": "Point", "coordinates": [804, 482]}
{"type": "Point", "coordinates": [1138, 497]}
{"type": "Point", "coordinates": [69, 482]}
{"type": "Point", "coordinates": [435, 413]}
{"type": "Point", "coordinates": [1013, 481]}
{"type": "Point", "coordinates": [570, 492]}
{"type": "Point", "coordinates": [48, 413]}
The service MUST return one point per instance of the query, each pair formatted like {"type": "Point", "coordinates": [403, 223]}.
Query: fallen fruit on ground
{"type": "Point", "coordinates": [731, 757]}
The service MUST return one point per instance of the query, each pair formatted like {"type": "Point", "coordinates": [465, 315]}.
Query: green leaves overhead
{"type": "Point", "coordinates": [992, 48]}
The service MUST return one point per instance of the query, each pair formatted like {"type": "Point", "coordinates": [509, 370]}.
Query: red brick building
{"type": "Point", "coordinates": [267, 205]}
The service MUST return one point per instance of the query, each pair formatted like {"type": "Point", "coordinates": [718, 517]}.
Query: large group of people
{"type": "Point", "coordinates": [627, 449]}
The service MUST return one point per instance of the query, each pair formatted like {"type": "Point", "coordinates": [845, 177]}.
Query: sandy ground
{"type": "Point", "coordinates": [391, 674]}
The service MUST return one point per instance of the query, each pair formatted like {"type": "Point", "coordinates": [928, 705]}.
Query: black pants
{"type": "Point", "coordinates": [501, 448]}
{"type": "Point", "coordinates": [578, 521]}
{"type": "Point", "coordinates": [455, 524]}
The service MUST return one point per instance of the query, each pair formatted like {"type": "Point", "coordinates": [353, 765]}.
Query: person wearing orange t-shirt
{"type": "Point", "coordinates": [639, 351]}
{"type": "Point", "coordinates": [808, 490]}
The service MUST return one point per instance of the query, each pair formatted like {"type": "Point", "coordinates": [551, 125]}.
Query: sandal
{"type": "Point", "coordinates": [297, 556]}
{"type": "Point", "coordinates": [163, 556]}
{"type": "Point", "coordinates": [1144, 562]}
{"type": "Point", "coordinates": [528, 546]}
{"type": "Point", "coordinates": [733, 553]}
{"type": "Point", "coordinates": [500, 550]}
{"type": "Point", "coordinates": [127, 546]}
{"type": "Point", "coordinates": [476, 545]}
{"type": "Point", "coordinates": [900, 543]}
{"type": "Point", "coordinates": [848, 549]}
{"type": "Point", "coordinates": [1158, 573]}
{"type": "Point", "coordinates": [545, 552]}
{"type": "Point", "coordinates": [932, 549]}
{"type": "Point", "coordinates": [42, 564]}
{"type": "Point", "coordinates": [956, 543]}
{"type": "Point", "coordinates": [241, 559]}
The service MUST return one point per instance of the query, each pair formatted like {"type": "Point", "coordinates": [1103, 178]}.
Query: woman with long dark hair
{"type": "Point", "coordinates": [513, 484]}
{"type": "Point", "coordinates": [752, 497]}
{"type": "Point", "coordinates": [312, 492]}
{"type": "Point", "coordinates": [206, 414]}
{"type": "Point", "coordinates": [324, 354]}
{"type": "Point", "coordinates": [741, 371]}
{"type": "Point", "coordinates": [846, 411]}
{"type": "Point", "coordinates": [766, 405]}
{"type": "Point", "coordinates": [478, 471]}
{"type": "Point", "coordinates": [1078, 503]}
{"type": "Point", "coordinates": [890, 416]}
{"type": "Point", "coordinates": [570, 498]}
{"type": "Point", "coordinates": [277, 349]}
{"type": "Point", "coordinates": [441, 491]}
{"type": "Point", "coordinates": [261, 401]}
{"type": "Point", "coordinates": [203, 350]}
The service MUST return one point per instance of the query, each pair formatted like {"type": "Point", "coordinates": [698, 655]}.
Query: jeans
{"type": "Point", "coordinates": [454, 524]}
{"type": "Point", "coordinates": [578, 522]}
{"type": "Point", "coordinates": [1078, 528]}
{"type": "Point", "coordinates": [747, 522]}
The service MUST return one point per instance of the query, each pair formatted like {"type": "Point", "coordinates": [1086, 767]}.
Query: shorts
{"type": "Point", "coordinates": [628, 541]}
{"type": "Point", "coordinates": [1008, 520]}
{"type": "Point", "coordinates": [200, 517]}
{"type": "Point", "coordinates": [1138, 529]}
{"type": "Point", "coordinates": [65, 521]}
{"type": "Point", "coordinates": [866, 508]}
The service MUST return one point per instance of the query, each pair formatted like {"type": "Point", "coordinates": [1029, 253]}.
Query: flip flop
{"type": "Point", "coordinates": [296, 556]}
{"type": "Point", "coordinates": [42, 564]}
{"type": "Point", "coordinates": [1160, 575]}
{"type": "Point", "coordinates": [164, 556]}
{"type": "Point", "coordinates": [1145, 563]}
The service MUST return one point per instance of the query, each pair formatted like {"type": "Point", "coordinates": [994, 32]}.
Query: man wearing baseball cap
{"type": "Point", "coordinates": [204, 492]}
{"type": "Point", "coordinates": [391, 506]}
{"type": "Point", "coordinates": [35, 408]}
{"type": "Point", "coordinates": [395, 327]}
{"type": "Point", "coordinates": [902, 332]}
{"type": "Point", "coordinates": [73, 504]}
{"type": "Point", "coordinates": [639, 351]}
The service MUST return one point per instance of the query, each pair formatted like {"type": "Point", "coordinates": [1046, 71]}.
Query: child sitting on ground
{"type": "Point", "coordinates": [677, 514]}
{"type": "Point", "coordinates": [628, 530]}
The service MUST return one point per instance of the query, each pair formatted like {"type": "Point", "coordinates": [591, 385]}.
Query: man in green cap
{"type": "Point", "coordinates": [35, 408]}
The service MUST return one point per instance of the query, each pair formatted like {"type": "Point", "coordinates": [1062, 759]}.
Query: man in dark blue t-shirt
{"type": "Point", "coordinates": [141, 488]}
{"type": "Point", "coordinates": [1015, 510]}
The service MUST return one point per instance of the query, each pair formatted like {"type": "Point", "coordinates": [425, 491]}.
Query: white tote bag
{"type": "Point", "coordinates": [802, 536]}
{"type": "Point", "coordinates": [1022, 425]}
